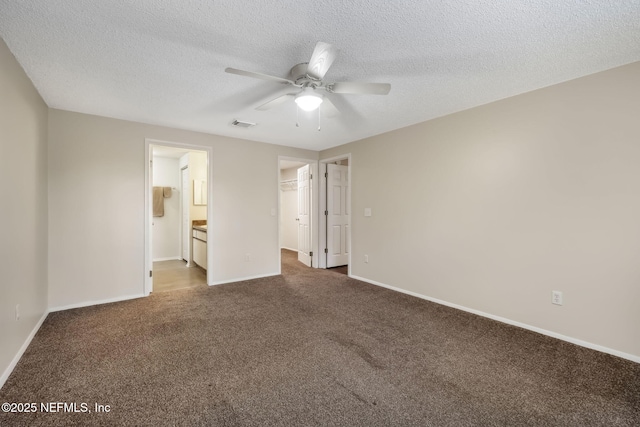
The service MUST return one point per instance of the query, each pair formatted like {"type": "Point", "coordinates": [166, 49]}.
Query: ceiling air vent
{"type": "Point", "coordinates": [239, 124]}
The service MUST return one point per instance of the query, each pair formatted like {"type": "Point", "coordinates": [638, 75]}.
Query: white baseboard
{"type": "Point", "coordinates": [172, 258]}
{"type": "Point", "coordinates": [552, 334]}
{"type": "Point", "coordinates": [95, 302]}
{"type": "Point", "coordinates": [242, 279]}
{"type": "Point", "coordinates": [23, 348]}
{"type": "Point", "coordinates": [289, 249]}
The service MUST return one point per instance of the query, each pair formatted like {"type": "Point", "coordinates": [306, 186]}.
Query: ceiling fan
{"type": "Point", "coordinates": [308, 78]}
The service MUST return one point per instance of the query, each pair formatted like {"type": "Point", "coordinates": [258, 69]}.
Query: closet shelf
{"type": "Point", "coordinates": [289, 184]}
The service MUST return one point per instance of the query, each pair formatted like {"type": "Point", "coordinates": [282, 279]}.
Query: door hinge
{"type": "Point", "coordinates": [310, 176]}
{"type": "Point", "coordinates": [326, 175]}
{"type": "Point", "coordinates": [310, 253]}
{"type": "Point", "coordinates": [326, 251]}
{"type": "Point", "coordinates": [326, 212]}
{"type": "Point", "coordinates": [150, 273]}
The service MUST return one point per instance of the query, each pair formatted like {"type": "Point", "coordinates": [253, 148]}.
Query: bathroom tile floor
{"type": "Point", "coordinates": [174, 274]}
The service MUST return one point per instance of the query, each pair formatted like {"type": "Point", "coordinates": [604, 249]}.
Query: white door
{"type": "Point", "coordinates": [338, 218]}
{"type": "Point", "coordinates": [304, 215]}
{"type": "Point", "coordinates": [186, 230]}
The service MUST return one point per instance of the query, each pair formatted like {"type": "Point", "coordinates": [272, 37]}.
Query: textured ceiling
{"type": "Point", "coordinates": [162, 62]}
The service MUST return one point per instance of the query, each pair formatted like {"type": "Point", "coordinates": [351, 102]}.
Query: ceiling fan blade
{"type": "Point", "coordinates": [328, 108]}
{"type": "Point", "coordinates": [258, 76]}
{"type": "Point", "coordinates": [275, 102]}
{"type": "Point", "coordinates": [323, 56]}
{"type": "Point", "coordinates": [360, 88]}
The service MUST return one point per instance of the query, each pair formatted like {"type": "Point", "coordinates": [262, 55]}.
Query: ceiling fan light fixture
{"type": "Point", "coordinates": [308, 100]}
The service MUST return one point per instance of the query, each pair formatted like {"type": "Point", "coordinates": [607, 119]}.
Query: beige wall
{"type": "Point", "coordinates": [493, 208]}
{"type": "Point", "coordinates": [165, 230]}
{"type": "Point", "coordinates": [96, 208]}
{"type": "Point", "coordinates": [23, 209]}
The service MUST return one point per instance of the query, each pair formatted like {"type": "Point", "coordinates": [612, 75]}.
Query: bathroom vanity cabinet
{"type": "Point", "coordinates": [200, 245]}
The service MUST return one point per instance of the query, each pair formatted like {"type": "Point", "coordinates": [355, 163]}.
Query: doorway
{"type": "Point", "coordinates": [335, 203]}
{"type": "Point", "coordinates": [176, 206]}
{"type": "Point", "coordinates": [298, 231]}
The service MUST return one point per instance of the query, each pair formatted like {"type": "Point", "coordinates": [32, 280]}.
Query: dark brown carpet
{"type": "Point", "coordinates": [311, 348]}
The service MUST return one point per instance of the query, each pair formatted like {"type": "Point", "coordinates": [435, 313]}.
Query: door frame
{"type": "Point", "coordinates": [148, 219]}
{"type": "Point", "coordinates": [183, 170]}
{"type": "Point", "coordinates": [315, 186]}
{"type": "Point", "coordinates": [322, 226]}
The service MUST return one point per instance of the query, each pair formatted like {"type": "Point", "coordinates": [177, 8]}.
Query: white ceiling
{"type": "Point", "coordinates": [162, 62]}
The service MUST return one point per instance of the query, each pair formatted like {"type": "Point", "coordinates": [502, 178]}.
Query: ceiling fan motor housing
{"type": "Point", "coordinates": [299, 75]}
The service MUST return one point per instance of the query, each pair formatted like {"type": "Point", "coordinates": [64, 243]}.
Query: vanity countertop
{"type": "Point", "coordinates": [200, 227]}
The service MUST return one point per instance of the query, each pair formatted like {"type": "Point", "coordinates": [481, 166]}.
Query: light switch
{"type": "Point", "coordinates": [367, 211]}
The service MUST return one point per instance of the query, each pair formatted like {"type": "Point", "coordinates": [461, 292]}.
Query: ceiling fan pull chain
{"type": "Point", "coordinates": [297, 113]}
{"type": "Point", "coordinates": [318, 119]}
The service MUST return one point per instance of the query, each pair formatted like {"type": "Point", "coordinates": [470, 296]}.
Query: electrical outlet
{"type": "Point", "coordinates": [556, 297]}
{"type": "Point", "coordinates": [17, 311]}
{"type": "Point", "coordinates": [366, 259]}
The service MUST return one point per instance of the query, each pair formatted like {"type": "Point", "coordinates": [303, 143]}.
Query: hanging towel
{"type": "Point", "coordinates": [166, 191]}
{"type": "Point", "coordinates": [158, 201]}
